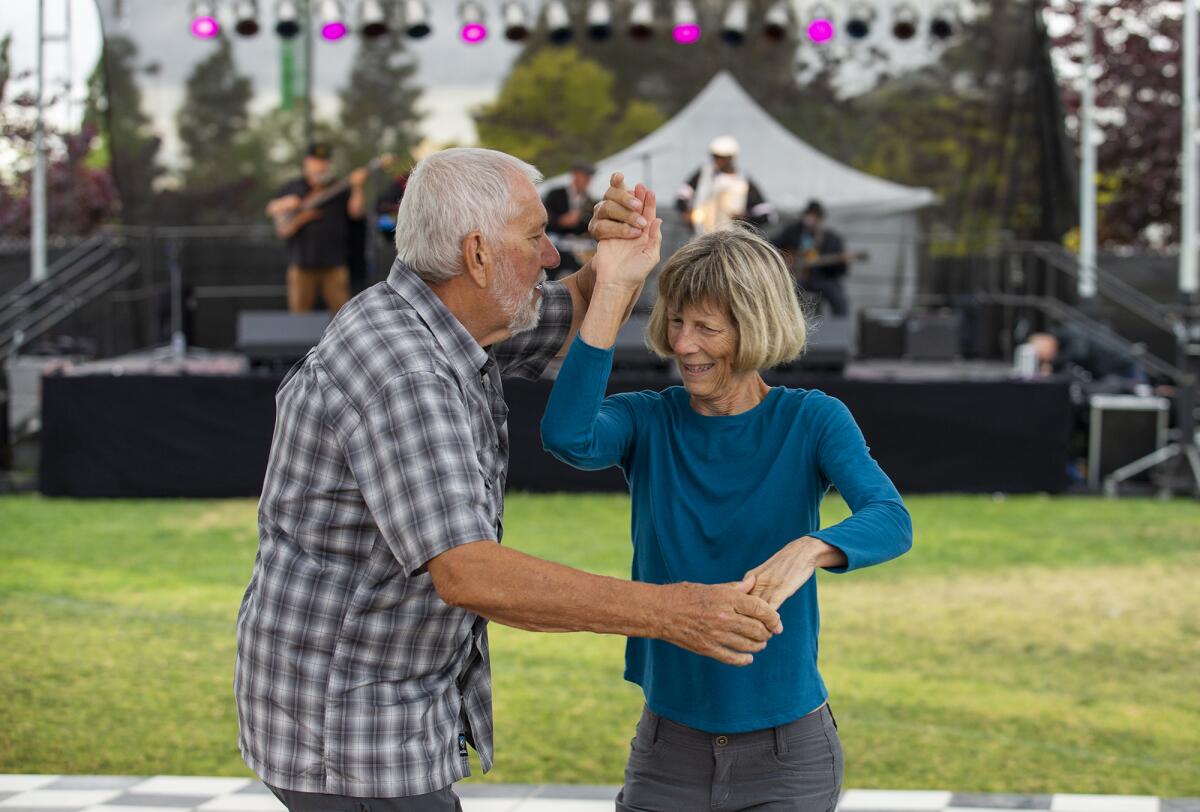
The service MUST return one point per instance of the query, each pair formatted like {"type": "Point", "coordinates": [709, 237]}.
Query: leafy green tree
{"type": "Point", "coordinates": [557, 108]}
{"type": "Point", "coordinates": [378, 110]}
{"type": "Point", "coordinates": [114, 109]}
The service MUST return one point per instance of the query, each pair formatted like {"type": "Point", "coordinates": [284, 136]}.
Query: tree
{"type": "Point", "coordinates": [378, 111]}
{"type": "Point", "coordinates": [558, 108]}
{"type": "Point", "coordinates": [1139, 92]}
{"type": "Point", "coordinates": [79, 195]}
{"type": "Point", "coordinates": [114, 108]}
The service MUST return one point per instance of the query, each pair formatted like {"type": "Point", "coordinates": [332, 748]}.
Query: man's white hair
{"type": "Point", "coordinates": [450, 194]}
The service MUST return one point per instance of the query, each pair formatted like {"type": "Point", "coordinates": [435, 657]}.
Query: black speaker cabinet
{"type": "Point", "coordinates": [1124, 428]}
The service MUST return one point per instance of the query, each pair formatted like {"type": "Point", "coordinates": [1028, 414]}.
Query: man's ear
{"type": "Point", "coordinates": [476, 258]}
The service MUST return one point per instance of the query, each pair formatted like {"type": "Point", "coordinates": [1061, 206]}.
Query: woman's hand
{"type": "Point", "coordinates": [781, 575]}
{"type": "Point", "coordinates": [625, 263]}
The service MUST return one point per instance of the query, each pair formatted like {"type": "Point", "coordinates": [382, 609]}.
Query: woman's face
{"type": "Point", "coordinates": [705, 341]}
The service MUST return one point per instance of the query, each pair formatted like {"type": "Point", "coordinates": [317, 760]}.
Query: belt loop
{"type": "Point", "coordinates": [781, 746]}
{"type": "Point", "coordinates": [652, 726]}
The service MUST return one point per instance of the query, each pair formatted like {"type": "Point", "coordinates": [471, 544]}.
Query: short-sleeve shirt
{"type": "Point", "coordinates": [324, 242]}
{"type": "Point", "coordinates": [391, 446]}
{"type": "Point", "coordinates": [799, 238]}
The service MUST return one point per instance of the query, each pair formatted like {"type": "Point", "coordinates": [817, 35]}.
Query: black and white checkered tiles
{"type": "Point", "coordinates": [164, 793]}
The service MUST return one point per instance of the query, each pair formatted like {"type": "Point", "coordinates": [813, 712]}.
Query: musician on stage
{"type": "Point", "coordinates": [319, 252]}
{"type": "Point", "coordinates": [718, 193]}
{"type": "Point", "coordinates": [569, 209]}
{"type": "Point", "coordinates": [818, 258]}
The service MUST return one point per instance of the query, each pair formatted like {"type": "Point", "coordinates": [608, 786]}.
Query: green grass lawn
{"type": "Point", "coordinates": [1025, 645]}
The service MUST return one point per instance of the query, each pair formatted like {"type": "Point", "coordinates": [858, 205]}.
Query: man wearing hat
{"type": "Point", "coordinates": [319, 250]}
{"type": "Point", "coordinates": [569, 211]}
{"type": "Point", "coordinates": [718, 193]}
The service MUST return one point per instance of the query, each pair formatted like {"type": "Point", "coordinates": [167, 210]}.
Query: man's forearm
{"type": "Point", "coordinates": [530, 593]}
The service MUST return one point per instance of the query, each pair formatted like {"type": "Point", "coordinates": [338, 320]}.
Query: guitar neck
{"type": "Point", "coordinates": [335, 189]}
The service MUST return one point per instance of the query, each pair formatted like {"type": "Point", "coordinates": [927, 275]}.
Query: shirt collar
{"type": "Point", "coordinates": [462, 350]}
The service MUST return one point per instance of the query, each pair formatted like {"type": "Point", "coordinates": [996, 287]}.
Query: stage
{"type": "Point", "coordinates": [130, 432]}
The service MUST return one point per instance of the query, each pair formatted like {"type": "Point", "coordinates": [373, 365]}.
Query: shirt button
{"type": "Point", "coordinates": [722, 741]}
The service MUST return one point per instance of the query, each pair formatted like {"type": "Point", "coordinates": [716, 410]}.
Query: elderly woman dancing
{"type": "Point", "coordinates": [726, 476]}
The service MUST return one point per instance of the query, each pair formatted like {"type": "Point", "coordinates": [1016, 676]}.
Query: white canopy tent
{"type": "Point", "coordinates": [873, 214]}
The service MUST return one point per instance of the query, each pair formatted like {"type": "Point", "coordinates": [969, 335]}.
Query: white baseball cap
{"type": "Point", "coordinates": [726, 146]}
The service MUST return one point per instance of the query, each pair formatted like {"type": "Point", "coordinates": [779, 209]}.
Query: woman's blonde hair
{"type": "Point", "coordinates": [736, 269]}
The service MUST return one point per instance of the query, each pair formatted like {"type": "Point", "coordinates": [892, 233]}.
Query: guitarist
{"type": "Point", "coordinates": [818, 258]}
{"type": "Point", "coordinates": [319, 251]}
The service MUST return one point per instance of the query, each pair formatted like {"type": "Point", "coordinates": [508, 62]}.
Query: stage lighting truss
{"type": "Point", "coordinates": [944, 23]}
{"type": "Point", "coordinates": [904, 22]}
{"type": "Point", "coordinates": [245, 17]}
{"type": "Point", "coordinates": [641, 20]}
{"type": "Point", "coordinates": [558, 22]}
{"type": "Point", "coordinates": [204, 20]}
{"type": "Point", "coordinates": [735, 22]}
{"type": "Point", "coordinates": [686, 27]}
{"type": "Point", "coordinates": [777, 21]}
{"type": "Point", "coordinates": [599, 20]}
{"type": "Point", "coordinates": [859, 21]}
{"type": "Point", "coordinates": [472, 23]}
{"type": "Point", "coordinates": [416, 19]}
{"type": "Point", "coordinates": [373, 18]}
{"type": "Point", "coordinates": [516, 20]}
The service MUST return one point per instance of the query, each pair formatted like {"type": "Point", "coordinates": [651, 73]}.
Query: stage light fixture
{"type": "Point", "coordinates": [859, 21]}
{"type": "Point", "coordinates": [686, 29]}
{"type": "Point", "coordinates": [287, 19]}
{"type": "Point", "coordinates": [204, 20]}
{"type": "Point", "coordinates": [373, 19]}
{"type": "Point", "coordinates": [558, 23]}
{"type": "Point", "coordinates": [944, 23]}
{"type": "Point", "coordinates": [245, 16]}
{"type": "Point", "coordinates": [516, 20]}
{"type": "Point", "coordinates": [641, 20]}
{"type": "Point", "coordinates": [904, 22]}
{"type": "Point", "coordinates": [472, 25]}
{"type": "Point", "coordinates": [735, 22]}
{"type": "Point", "coordinates": [416, 19]}
{"type": "Point", "coordinates": [330, 21]}
{"type": "Point", "coordinates": [777, 22]}
{"type": "Point", "coordinates": [599, 20]}
{"type": "Point", "coordinates": [820, 25]}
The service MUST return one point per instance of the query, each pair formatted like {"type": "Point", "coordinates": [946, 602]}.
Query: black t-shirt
{"type": "Point", "coordinates": [799, 238]}
{"type": "Point", "coordinates": [325, 242]}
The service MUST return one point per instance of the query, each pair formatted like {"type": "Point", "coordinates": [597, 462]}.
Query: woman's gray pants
{"type": "Point", "coordinates": [795, 767]}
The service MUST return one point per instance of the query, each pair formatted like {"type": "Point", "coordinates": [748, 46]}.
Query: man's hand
{"type": "Point", "coordinates": [619, 215]}
{"type": "Point", "coordinates": [778, 578]}
{"type": "Point", "coordinates": [625, 263]}
{"type": "Point", "coordinates": [283, 205]}
{"type": "Point", "coordinates": [721, 621]}
{"type": "Point", "coordinates": [358, 177]}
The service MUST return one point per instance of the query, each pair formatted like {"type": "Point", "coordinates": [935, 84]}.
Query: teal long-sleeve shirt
{"type": "Point", "coordinates": [713, 497]}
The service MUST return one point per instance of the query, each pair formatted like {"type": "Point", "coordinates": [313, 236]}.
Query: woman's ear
{"type": "Point", "coordinates": [476, 258]}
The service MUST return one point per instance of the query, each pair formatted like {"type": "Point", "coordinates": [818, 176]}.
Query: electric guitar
{"type": "Point", "coordinates": [289, 222]}
{"type": "Point", "coordinates": [803, 264]}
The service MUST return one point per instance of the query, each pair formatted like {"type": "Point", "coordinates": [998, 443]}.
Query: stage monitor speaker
{"type": "Point", "coordinates": [1122, 429]}
{"type": "Point", "coordinates": [830, 345]}
{"type": "Point", "coordinates": [881, 332]}
{"type": "Point", "coordinates": [279, 337]}
{"type": "Point", "coordinates": [933, 337]}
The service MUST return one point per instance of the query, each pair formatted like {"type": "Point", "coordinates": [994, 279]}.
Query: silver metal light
{"type": "Point", "coordinates": [641, 20]}
{"type": "Point", "coordinates": [416, 19]}
{"type": "Point", "coordinates": [599, 20]}
{"type": "Point", "coordinates": [558, 22]}
{"type": "Point", "coordinates": [777, 22]}
{"type": "Point", "coordinates": [516, 20]}
{"type": "Point", "coordinates": [245, 17]}
{"type": "Point", "coordinates": [735, 22]}
{"type": "Point", "coordinates": [373, 19]}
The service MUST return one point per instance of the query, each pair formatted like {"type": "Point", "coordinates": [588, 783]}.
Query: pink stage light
{"type": "Point", "coordinates": [205, 27]}
{"type": "Point", "coordinates": [473, 33]}
{"type": "Point", "coordinates": [333, 31]}
{"type": "Point", "coordinates": [820, 30]}
{"type": "Point", "coordinates": [686, 34]}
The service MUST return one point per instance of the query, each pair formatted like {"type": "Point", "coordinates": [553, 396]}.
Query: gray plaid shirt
{"type": "Point", "coordinates": [391, 447]}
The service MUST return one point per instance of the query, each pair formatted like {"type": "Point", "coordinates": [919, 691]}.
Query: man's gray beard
{"type": "Point", "coordinates": [526, 311]}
